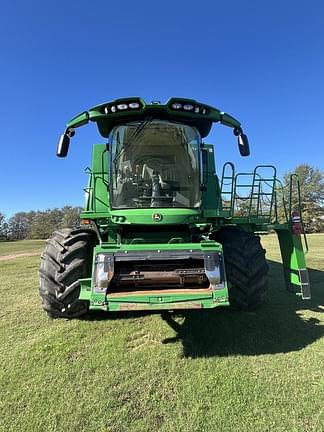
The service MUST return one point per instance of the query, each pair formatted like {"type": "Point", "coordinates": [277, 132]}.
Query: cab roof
{"type": "Point", "coordinates": [188, 111]}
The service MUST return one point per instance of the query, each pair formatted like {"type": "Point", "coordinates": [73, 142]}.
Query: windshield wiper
{"type": "Point", "coordinates": [132, 139]}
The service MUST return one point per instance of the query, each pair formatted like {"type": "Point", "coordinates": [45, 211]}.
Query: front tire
{"type": "Point", "coordinates": [246, 267]}
{"type": "Point", "coordinates": [67, 257]}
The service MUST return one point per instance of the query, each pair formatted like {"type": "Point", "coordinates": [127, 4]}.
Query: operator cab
{"type": "Point", "coordinates": [155, 163]}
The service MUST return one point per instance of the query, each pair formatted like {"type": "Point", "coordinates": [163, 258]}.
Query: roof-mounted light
{"type": "Point", "coordinates": [176, 106]}
{"type": "Point", "coordinates": [134, 105]}
{"type": "Point", "coordinates": [122, 106]}
{"type": "Point", "coordinates": [188, 106]}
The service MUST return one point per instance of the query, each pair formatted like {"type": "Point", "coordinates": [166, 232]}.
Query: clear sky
{"type": "Point", "coordinates": [260, 61]}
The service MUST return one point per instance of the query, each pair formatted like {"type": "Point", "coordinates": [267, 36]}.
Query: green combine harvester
{"type": "Point", "coordinates": [160, 230]}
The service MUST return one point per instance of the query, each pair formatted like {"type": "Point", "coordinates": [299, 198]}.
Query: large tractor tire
{"type": "Point", "coordinates": [67, 257]}
{"type": "Point", "coordinates": [246, 267]}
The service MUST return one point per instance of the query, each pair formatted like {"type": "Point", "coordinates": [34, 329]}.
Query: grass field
{"type": "Point", "coordinates": [23, 246]}
{"type": "Point", "coordinates": [220, 371]}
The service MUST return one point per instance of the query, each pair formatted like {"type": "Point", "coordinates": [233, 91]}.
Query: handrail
{"type": "Point", "coordinates": [260, 200]}
{"type": "Point", "coordinates": [231, 178]}
{"type": "Point", "coordinates": [279, 182]}
{"type": "Point", "coordinates": [257, 194]}
{"type": "Point", "coordinates": [299, 205]}
{"type": "Point", "coordinates": [265, 180]}
{"type": "Point", "coordinates": [91, 188]}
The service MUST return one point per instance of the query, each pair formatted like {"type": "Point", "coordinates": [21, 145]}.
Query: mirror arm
{"type": "Point", "coordinates": [64, 142]}
{"type": "Point", "coordinates": [80, 120]}
{"type": "Point", "coordinates": [229, 121]}
{"type": "Point", "coordinates": [243, 142]}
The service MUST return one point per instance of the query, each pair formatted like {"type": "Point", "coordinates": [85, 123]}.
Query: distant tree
{"type": "Point", "coordinates": [242, 206]}
{"type": "Point", "coordinates": [18, 226]}
{"type": "Point", "coordinates": [38, 224]}
{"type": "Point", "coordinates": [30, 216]}
{"type": "Point", "coordinates": [71, 218]}
{"type": "Point", "coordinates": [3, 227]}
{"type": "Point", "coordinates": [45, 222]}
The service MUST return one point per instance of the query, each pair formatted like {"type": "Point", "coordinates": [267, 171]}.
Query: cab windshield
{"type": "Point", "coordinates": [155, 163]}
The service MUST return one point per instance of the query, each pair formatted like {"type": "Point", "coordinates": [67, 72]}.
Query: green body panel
{"type": "Point", "coordinates": [294, 263]}
{"type": "Point", "coordinates": [137, 229]}
{"type": "Point", "coordinates": [169, 216]}
{"type": "Point", "coordinates": [211, 194]}
{"type": "Point", "coordinates": [97, 198]}
{"type": "Point", "coordinates": [208, 245]}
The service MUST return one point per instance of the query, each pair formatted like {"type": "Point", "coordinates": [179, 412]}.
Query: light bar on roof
{"type": "Point", "coordinates": [189, 107]}
{"type": "Point", "coordinates": [121, 105]}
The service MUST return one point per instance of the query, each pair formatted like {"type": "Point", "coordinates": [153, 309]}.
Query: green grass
{"type": "Point", "coordinates": [221, 371]}
{"type": "Point", "coordinates": [22, 246]}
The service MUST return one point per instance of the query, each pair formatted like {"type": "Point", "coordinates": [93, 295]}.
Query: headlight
{"type": "Point", "coordinates": [213, 263]}
{"type": "Point", "coordinates": [188, 107]}
{"type": "Point", "coordinates": [176, 106]}
{"type": "Point", "coordinates": [104, 271]}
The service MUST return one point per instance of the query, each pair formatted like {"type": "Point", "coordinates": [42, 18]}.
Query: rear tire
{"type": "Point", "coordinates": [67, 257]}
{"type": "Point", "coordinates": [246, 267]}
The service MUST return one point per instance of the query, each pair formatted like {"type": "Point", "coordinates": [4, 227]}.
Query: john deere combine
{"type": "Point", "coordinates": [161, 231]}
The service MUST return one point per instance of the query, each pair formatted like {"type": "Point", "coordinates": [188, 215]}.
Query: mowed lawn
{"type": "Point", "coordinates": [23, 246]}
{"type": "Point", "coordinates": [220, 371]}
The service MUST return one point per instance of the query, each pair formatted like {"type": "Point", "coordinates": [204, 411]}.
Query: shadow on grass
{"type": "Point", "coordinates": [104, 316]}
{"type": "Point", "coordinates": [278, 327]}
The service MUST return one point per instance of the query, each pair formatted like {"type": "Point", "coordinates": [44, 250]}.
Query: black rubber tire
{"type": "Point", "coordinates": [67, 257]}
{"type": "Point", "coordinates": [246, 267]}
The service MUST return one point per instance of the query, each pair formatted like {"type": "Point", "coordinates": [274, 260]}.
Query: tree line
{"type": "Point", "coordinates": [38, 224]}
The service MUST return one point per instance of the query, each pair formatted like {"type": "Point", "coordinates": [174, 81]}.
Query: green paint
{"type": "Point", "coordinates": [294, 262]}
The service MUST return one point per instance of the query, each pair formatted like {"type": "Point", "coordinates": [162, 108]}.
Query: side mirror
{"type": "Point", "coordinates": [243, 144]}
{"type": "Point", "coordinates": [64, 142]}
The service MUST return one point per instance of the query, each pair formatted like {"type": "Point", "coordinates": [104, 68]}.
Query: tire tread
{"type": "Point", "coordinates": [246, 267]}
{"type": "Point", "coordinates": [66, 259]}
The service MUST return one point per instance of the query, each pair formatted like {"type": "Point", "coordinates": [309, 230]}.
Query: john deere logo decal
{"type": "Point", "coordinates": [157, 217]}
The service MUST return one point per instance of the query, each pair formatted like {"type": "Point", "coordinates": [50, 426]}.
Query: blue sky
{"type": "Point", "coordinates": [261, 61]}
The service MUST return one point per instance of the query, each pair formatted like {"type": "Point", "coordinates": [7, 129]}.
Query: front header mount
{"type": "Point", "coordinates": [187, 111]}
